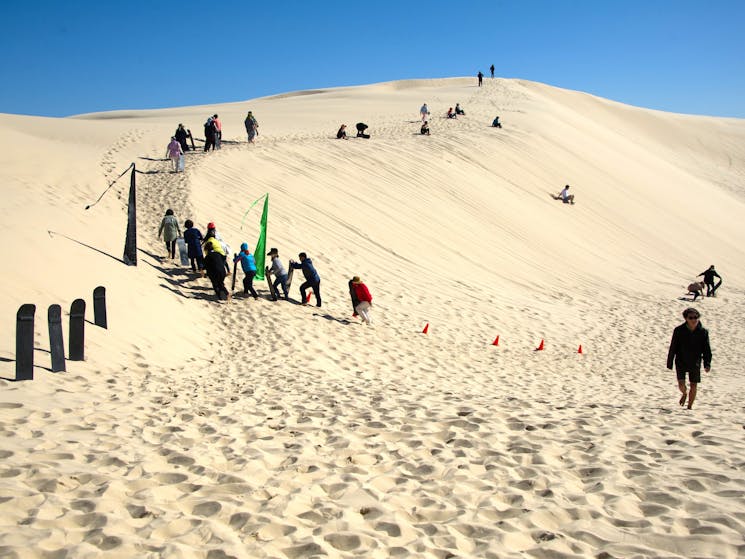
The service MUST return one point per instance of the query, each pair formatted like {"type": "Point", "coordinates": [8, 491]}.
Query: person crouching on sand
{"type": "Point", "coordinates": [365, 299]}
{"type": "Point", "coordinates": [342, 133]}
{"type": "Point", "coordinates": [689, 345]}
{"type": "Point", "coordinates": [424, 131]}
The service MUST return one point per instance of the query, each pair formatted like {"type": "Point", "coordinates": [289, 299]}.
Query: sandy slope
{"type": "Point", "coordinates": [259, 429]}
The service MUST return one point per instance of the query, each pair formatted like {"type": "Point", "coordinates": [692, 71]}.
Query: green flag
{"type": "Point", "coordinates": [260, 252]}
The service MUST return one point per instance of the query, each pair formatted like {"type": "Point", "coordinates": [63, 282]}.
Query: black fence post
{"type": "Point", "coordinates": [77, 331]}
{"type": "Point", "coordinates": [25, 342]}
{"type": "Point", "coordinates": [99, 307]}
{"type": "Point", "coordinates": [56, 342]}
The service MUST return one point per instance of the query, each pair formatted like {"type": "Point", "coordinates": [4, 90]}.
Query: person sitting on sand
{"type": "Point", "coordinates": [709, 276]}
{"type": "Point", "coordinates": [458, 110]}
{"type": "Point", "coordinates": [213, 264]}
{"type": "Point", "coordinates": [342, 133]}
{"type": "Point", "coordinates": [248, 264]}
{"type": "Point", "coordinates": [690, 343]}
{"type": "Point", "coordinates": [424, 129]}
{"type": "Point", "coordinates": [495, 123]}
{"type": "Point", "coordinates": [564, 196]}
{"type": "Point", "coordinates": [362, 295]}
{"type": "Point", "coordinates": [451, 113]}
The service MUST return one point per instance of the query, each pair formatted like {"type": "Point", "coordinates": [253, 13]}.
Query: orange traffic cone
{"type": "Point", "coordinates": [580, 349]}
{"type": "Point", "coordinates": [426, 329]}
{"type": "Point", "coordinates": [496, 341]}
{"type": "Point", "coordinates": [307, 299]}
{"type": "Point", "coordinates": [540, 347]}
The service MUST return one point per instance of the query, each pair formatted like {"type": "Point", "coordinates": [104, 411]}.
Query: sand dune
{"type": "Point", "coordinates": [260, 429]}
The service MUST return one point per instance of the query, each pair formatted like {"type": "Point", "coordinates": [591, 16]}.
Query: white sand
{"type": "Point", "coordinates": [259, 429]}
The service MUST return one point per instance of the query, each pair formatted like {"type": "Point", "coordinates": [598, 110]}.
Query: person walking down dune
{"type": "Point", "coordinates": [213, 264]}
{"type": "Point", "coordinates": [364, 299]}
{"type": "Point", "coordinates": [424, 112]}
{"type": "Point", "coordinates": [312, 279]}
{"type": "Point", "coordinates": [709, 275]}
{"type": "Point", "coordinates": [689, 345]}
{"type": "Point", "coordinates": [193, 240]}
{"type": "Point", "coordinates": [248, 264]}
{"type": "Point", "coordinates": [175, 153]}
{"type": "Point", "coordinates": [252, 127]}
{"type": "Point", "coordinates": [170, 231]}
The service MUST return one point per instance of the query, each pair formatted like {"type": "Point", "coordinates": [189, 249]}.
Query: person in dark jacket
{"type": "Point", "coordinates": [709, 276]}
{"type": "Point", "coordinates": [312, 279]}
{"type": "Point", "coordinates": [689, 345]}
{"type": "Point", "coordinates": [181, 135]}
{"type": "Point", "coordinates": [213, 263]}
{"type": "Point", "coordinates": [193, 240]}
{"type": "Point", "coordinates": [210, 134]}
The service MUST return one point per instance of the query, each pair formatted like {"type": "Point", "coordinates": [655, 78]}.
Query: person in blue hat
{"type": "Point", "coordinates": [248, 263]}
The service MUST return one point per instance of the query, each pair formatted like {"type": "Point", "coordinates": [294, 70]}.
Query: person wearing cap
{"type": "Point", "coordinates": [362, 295]}
{"type": "Point", "coordinates": [218, 243]}
{"type": "Point", "coordinates": [280, 274]}
{"type": "Point", "coordinates": [213, 264]}
{"type": "Point", "coordinates": [312, 279]}
{"type": "Point", "coordinates": [170, 232]}
{"type": "Point", "coordinates": [689, 345]}
{"type": "Point", "coordinates": [252, 127]}
{"type": "Point", "coordinates": [709, 276]}
{"type": "Point", "coordinates": [248, 264]}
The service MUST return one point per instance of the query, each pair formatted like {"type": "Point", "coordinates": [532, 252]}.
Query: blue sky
{"type": "Point", "coordinates": [75, 56]}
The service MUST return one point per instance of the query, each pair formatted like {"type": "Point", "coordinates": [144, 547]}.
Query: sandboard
{"type": "Point", "coordinates": [56, 341]}
{"type": "Point", "coordinates": [183, 251]}
{"type": "Point", "coordinates": [232, 283]}
{"type": "Point", "coordinates": [272, 292]}
{"type": "Point", "coordinates": [290, 272]}
{"type": "Point", "coordinates": [181, 162]}
{"type": "Point", "coordinates": [25, 342]}
{"type": "Point", "coordinates": [192, 141]}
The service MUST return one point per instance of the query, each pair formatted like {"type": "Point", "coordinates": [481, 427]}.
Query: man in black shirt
{"type": "Point", "coordinates": [689, 345]}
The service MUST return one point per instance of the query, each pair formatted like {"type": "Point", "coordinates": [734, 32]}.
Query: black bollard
{"type": "Point", "coordinates": [25, 342]}
{"type": "Point", "coordinates": [56, 342]}
{"type": "Point", "coordinates": [77, 331]}
{"type": "Point", "coordinates": [99, 307]}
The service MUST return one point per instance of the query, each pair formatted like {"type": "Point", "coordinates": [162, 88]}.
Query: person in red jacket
{"type": "Point", "coordinates": [364, 298]}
